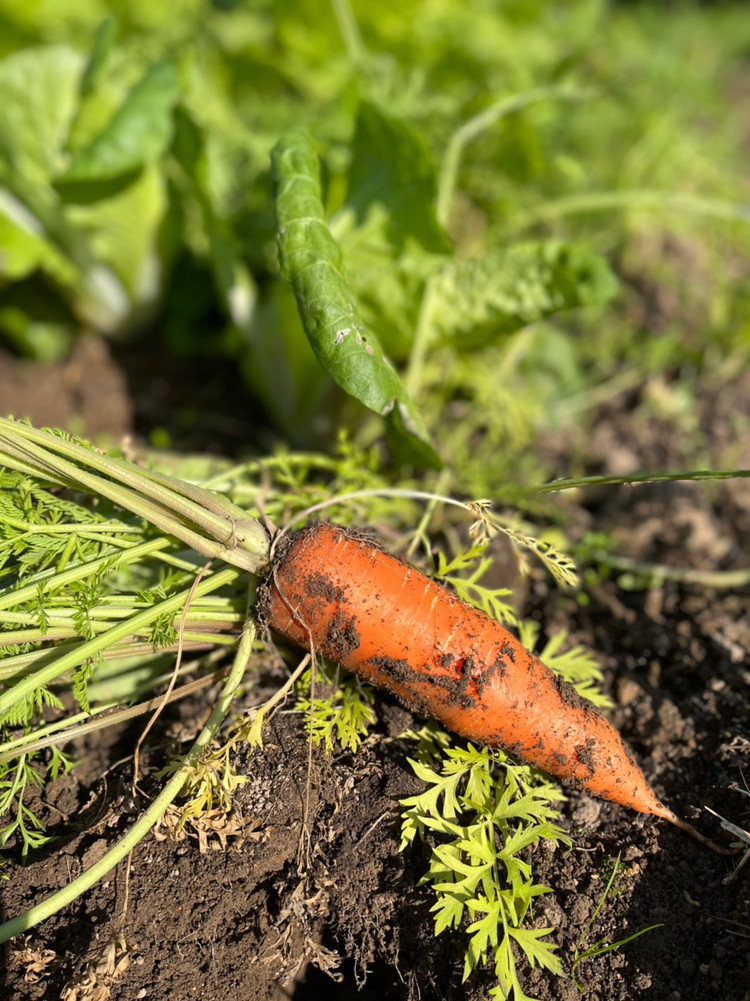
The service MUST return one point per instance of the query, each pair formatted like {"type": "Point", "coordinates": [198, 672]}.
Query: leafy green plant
{"type": "Point", "coordinates": [156, 132]}
{"type": "Point", "coordinates": [94, 598]}
{"type": "Point", "coordinates": [339, 719]}
{"type": "Point", "coordinates": [310, 261]}
{"type": "Point", "coordinates": [485, 811]}
{"type": "Point", "coordinates": [16, 781]}
{"type": "Point", "coordinates": [169, 118]}
{"type": "Point", "coordinates": [109, 593]}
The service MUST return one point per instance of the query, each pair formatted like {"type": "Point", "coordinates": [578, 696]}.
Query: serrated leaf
{"type": "Point", "coordinates": [560, 565]}
{"type": "Point", "coordinates": [444, 786]}
{"type": "Point", "coordinates": [530, 807]}
{"type": "Point", "coordinates": [505, 969]}
{"type": "Point", "coordinates": [537, 951]}
{"type": "Point", "coordinates": [470, 871]}
{"type": "Point", "coordinates": [138, 132]}
{"type": "Point", "coordinates": [470, 590]}
{"type": "Point", "coordinates": [452, 860]}
{"type": "Point", "coordinates": [311, 262]}
{"type": "Point", "coordinates": [343, 719]}
{"type": "Point", "coordinates": [479, 847]}
{"type": "Point", "coordinates": [577, 666]}
{"type": "Point", "coordinates": [448, 911]}
{"type": "Point", "coordinates": [483, 935]}
{"type": "Point", "coordinates": [479, 787]}
{"type": "Point", "coordinates": [80, 684]}
{"type": "Point", "coordinates": [476, 301]}
{"type": "Point", "coordinates": [438, 824]}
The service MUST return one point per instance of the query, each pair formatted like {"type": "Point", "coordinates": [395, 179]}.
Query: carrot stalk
{"type": "Point", "coordinates": [342, 596]}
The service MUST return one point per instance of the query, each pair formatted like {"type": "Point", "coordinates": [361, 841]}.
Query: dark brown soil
{"type": "Point", "coordinates": [306, 895]}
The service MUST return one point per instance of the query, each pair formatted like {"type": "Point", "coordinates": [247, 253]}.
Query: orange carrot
{"type": "Point", "coordinates": [345, 598]}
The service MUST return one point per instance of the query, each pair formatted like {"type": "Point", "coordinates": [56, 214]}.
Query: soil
{"type": "Point", "coordinates": [304, 893]}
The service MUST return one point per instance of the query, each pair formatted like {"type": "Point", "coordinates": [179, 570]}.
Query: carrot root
{"type": "Point", "coordinates": [396, 628]}
{"type": "Point", "coordinates": [694, 833]}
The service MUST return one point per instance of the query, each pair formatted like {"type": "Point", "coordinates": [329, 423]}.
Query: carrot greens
{"type": "Point", "coordinates": [480, 812]}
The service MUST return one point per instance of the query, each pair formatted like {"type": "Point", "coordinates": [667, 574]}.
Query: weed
{"type": "Point", "coordinates": [602, 947]}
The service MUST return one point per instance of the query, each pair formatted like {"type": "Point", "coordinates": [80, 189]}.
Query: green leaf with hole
{"type": "Point", "coordinates": [311, 262]}
{"type": "Point", "coordinates": [476, 301]}
{"type": "Point", "coordinates": [138, 132]}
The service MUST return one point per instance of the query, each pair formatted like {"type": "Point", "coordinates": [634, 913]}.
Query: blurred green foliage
{"type": "Point", "coordinates": [481, 162]}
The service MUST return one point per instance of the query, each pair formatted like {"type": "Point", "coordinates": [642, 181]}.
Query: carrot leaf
{"type": "Point", "coordinates": [479, 812]}
{"type": "Point", "coordinates": [341, 719]}
{"type": "Point", "coordinates": [537, 951]}
{"type": "Point", "coordinates": [488, 524]}
{"type": "Point", "coordinates": [469, 589]}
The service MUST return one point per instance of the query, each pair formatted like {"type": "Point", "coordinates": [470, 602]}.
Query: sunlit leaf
{"type": "Point", "coordinates": [476, 301]}
{"type": "Point", "coordinates": [138, 132]}
{"type": "Point", "coordinates": [392, 167]}
{"type": "Point", "coordinates": [538, 951]}
{"type": "Point", "coordinates": [38, 99]}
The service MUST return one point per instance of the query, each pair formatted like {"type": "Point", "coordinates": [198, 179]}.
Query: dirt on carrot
{"type": "Point", "coordinates": [347, 599]}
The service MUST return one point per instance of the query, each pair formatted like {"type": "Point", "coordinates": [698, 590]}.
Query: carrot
{"type": "Point", "coordinates": [344, 597]}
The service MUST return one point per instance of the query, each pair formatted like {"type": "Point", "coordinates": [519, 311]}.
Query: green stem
{"type": "Point", "coordinates": [127, 650]}
{"type": "Point", "coordinates": [349, 30]}
{"type": "Point", "coordinates": [51, 580]}
{"type": "Point", "coordinates": [153, 814]}
{"type": "Point", "coordinates": [604, 201]}
{"type": "Point", "coordinates": [84, 529]}
{"type": "Point", "coordinates": [51, 733]}
{"type": "Point", "coordinates": [681, 575]}
{"type": "Point", "coordinates": [226, 478]}
{"type": "Point", "coordinates": [94, 646]}
{"type": "Point", "coordinates": [173, 506]}
{"type": "Point", "coordinates": [421, 344]}
{"type": "Point", "coordinates": [102, 717]}
{"type": "Point", "coordinates": [598, 481]}
{"type": "Point", "coordinates": [66, 617]}
{"type": "Point", "coordinates": [14, 637]}
{"type": "Point", "coordinates": [478, 124]}
{"type": "Point", "coordinates": [420, 532]}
